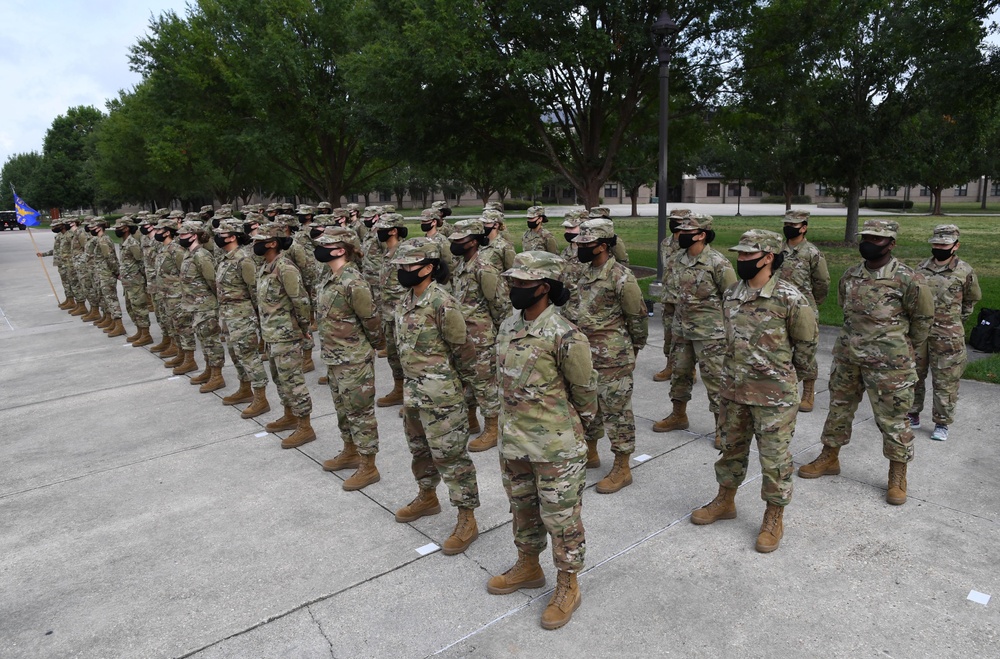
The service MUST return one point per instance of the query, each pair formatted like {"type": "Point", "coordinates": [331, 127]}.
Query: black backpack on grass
{"type": "Point", "coordinates": [985, 335]}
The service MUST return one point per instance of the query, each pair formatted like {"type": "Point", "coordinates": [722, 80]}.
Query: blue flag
{"type": "Point", "coordinates": [26, 215]}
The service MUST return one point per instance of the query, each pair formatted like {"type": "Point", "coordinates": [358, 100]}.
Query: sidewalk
{"type": "Point", "coordinates": [142, 519]}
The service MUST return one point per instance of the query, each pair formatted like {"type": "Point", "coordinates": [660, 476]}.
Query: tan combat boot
{"type": "Point", "coordinates": [188, 365]}
{"type": "Point", "coordinates": [242, 395]}
{"type": "Point", "coordinates": [394, 397]}
{"type": "Point", "coordinates": [286, 421]}
{"type": "Point", "coordinates": [144, 338]}
{"type": "Point", "coordinates": [489, 437]}
{"type": "Point", "coordinates": [808, 396]}
{"type": "Point", "coordinates": [771, 529]}
{"type": "Point", "coordinates": [202, 377]}
{"type": "Point", "coordinates": [162, 345]}
{"type": "Point", "coordinates": [258, 406]}
{"type": "Point", "coordinates": [117, 329]}
{"type": "Point", "coordinates": [104, 321]}
{"type": "Point", "coordinates": [308, 365]}
{"type": "Point", "coordinates": [215, 381]}
{"type": "Point", "coordinates": [424, 505]}
{"type": "Point", "coordinates": [665, 374]}
{"type": "Point", "coordinates": [678, 419]}
{"type": "Point", "coordinates": [593, 458]}
{"type": "Point", "coordinates": [303, 434]}
{"type": "Point", "coordinates": [172, 350]}
{"type": "Point", "coordinates": [323, 379]}
{"type": "Point", "coordinates": [466, 531]}
{"type": "Point", "coordinates": [79, 310]}
{"type": "Point", "coordinates": [827, 464]}
{"type": "Point", "coordinates": [620, 476]}
{"type": "Point", "coordinates": [565, 600]}
{"type": "Point", "coordinates": [68, 303]}
{"type": "Point", "coordinates": [897, 483]}
{"type": "Point", "coordinates": [473, 421]}
{"type": "Point", "coordinates": [132, 338]}
{"type": "Point", "coordinates": [366, 474]}
{"type": "Point", "coordinates": [349, 458]}
{"type": "Point", "coordinates": [90, 316]}
{"type": "Point", "coordinates": [381, 353]}
{"type": "Point", "coordinates": [176, 360]}
{"type": "Point", "coordinates": [723, 506]}
{"type": "Point", "coordinates": [525, 573]}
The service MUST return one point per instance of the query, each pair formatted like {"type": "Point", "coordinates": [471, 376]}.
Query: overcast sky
{"type": "Point", "coordinates": [55, 54]}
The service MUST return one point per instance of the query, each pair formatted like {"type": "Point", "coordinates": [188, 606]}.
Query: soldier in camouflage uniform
{"type": "Point", "coordinates": [98, 315]}
{"type": "Point", "coordinates": [168, 286]}
{"type": "Point", "coordinates": [58, 228]}
{"type": "Point", "coordinates": [75, 241]}
{"type": "Point", "coordinates": [499, 252]}
{"type": "Point", "coordinates": [696, 278]}
{"type": "Point", "coordinates": [668, 248]}
{"type": "Point", "coordinates": [956, 291]}
{"type": "Point", "coordinates": [106, 270]}
{"type": "Point", "coordinates": [199, 299]}
{"type": "Point", "coordinates": [390, 232]}
{"type": "Point", "coordinates": [445, 228]}
{"type": "Point", "coordinates": [619, 251]}
{"type": "Point", "coordinates": [573, 270]}
{"type": "Point", "coordinates": [372, 251]}
{"type": "Point", "coordinates": [436, 356]}
{"type": "Point", "coordinates": [236, 290]}
{"type": "Point", "coordinates": [549, 391]}
{"type": "Point", "coordinates": [133, 277]}
{"type": "Point", "coordinates": [151, 247]}
{"type": "Point", "coordinates": [771, 332]}
{"type": "Point", "coordinates": [349, 329]}
{"type": "Point", "coordinates": [299, 253]}
{"type": "Point", "coordinates": [538, 237]}
{"type": "Point", "coordinates": [887, 313]}
{"type": "Point", "coordinates": [805, 268]}
{"type": "Point", "coordinates": [476, 285]}
{"type": "Point", "coordinates": [65, 265]}
{"type": "Point", "coordinates": [431, 223]}
{"type": "Point", "coordinates": [283, 302]}
{"type": "Point", "coordinates": [609, 309]}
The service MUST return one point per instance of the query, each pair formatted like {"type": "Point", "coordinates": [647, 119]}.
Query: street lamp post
{"type": "Point", "coordinates": [663, 31]}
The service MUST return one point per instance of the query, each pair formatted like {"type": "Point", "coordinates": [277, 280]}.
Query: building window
{"type": "Point", "coordinates": [890, 190]}
{"type": "Point", "coordinates": [610, 190]}
{"type": "Point", "coordinates": [384, 196]}
{"type": "Point", "coordinates": [821, 190]}
{"type": "Point", "coordinates": [995, 189]}
{"type": "Point", "coordinates": [734, 189]}
{"type": "Point", "coordinates": [453, 196]}
{"type": "Point", "coordinates": [962, 190]}
{"type": "Point", "coordinates": [753, 192]}
{"type": "Point", "coordinates": [353, 198]}
{"type": "Point", "coordinates": [714, 190]}
{"type": "Point", "coordinates": [925, 191]}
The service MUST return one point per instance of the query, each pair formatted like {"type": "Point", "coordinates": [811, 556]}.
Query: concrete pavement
{"type": "Point", "coordinates": [142, 519]}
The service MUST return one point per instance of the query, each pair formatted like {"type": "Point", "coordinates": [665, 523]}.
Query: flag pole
{"type": "Point", "coordinates": [42, 261]}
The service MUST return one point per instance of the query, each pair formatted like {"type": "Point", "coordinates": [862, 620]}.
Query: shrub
{"type": "Point", "coordinates": [780, 199]}
{"type": "Point", "coordinates": [886, 204]}
{"type": "Point", "coordinates": [517, 204]}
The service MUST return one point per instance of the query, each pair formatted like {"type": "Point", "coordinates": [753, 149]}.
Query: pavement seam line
{"type": "Point", "coordinates": [321, 631]}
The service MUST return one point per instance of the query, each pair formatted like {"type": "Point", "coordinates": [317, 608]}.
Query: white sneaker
{"type": "Point", "coordinates": [940, 433]}
{"type": "Point", "coordinates": [914, 420]}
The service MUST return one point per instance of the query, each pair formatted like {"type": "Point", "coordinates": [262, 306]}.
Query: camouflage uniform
{"type": "Point", "coordinates": [90, 270]}
{"type": "Point", "coordinates": [390, 293]}
{"type": "Point", "coordinates": [484, 303]}
{"type": "Point", "coordinates": [133, 276]}
{"type": "Point", "coordinates": [804, 267]}
{"type": "Point", "coordinates": [284, 320]}
{"type": "Point", "coordinates": [956, 291]}
{"type": "Point", "coordinates": [432, 343]}
{"type": "Point", "coordinates": [150, 250]}
{"type": "Point", "coordinates": [549, 393]}
{"type": "Point", "coordinates": [77, 245]}
{"type": "Point", "coordinates": [305, 263]}
{"type": "Point", "coordinates": [198, 284]}
{"type": "Point", "coordinates": [168, 285]}
{"type": "Point", "coordinates": [236, 288]}
{"type": "Point", "coordinates": [770, 333]}
{"type": "Point", "coordinates": [692, 297]}
{"type": "Point", "coordinates": [499, 252]}
{"type": "Point", "coordinates": [372, 252]}
{"type": "Point", "coordinates": [609, 310]}
{"type": "Point", "coordinates": [619, 250]}
{"type": "Point", "coordinates": [431, 216]}
{"type": "Point", "coordinates": [538, 239]}
{"type": "Point", "coordinates": [349, 329]}
{"type": "Point", "coordinates": [887, 314]}
{"type": "Point", "coordinates": [106, 270]}
{"type": "Point", "coordinates": [573, 269]}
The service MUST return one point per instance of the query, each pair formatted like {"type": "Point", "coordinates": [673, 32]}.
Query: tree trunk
{"type": "Point", "coordinates": [633, 194]}
{"type": "Point", "coordinates": [853, 199]}
{"type": "Point", "coordinates": [592, 194]}
{"type": "Point", "coordinates": [368, 200]}
{"type": "Point", "coordinates": [788, 196]}
{"type": "Point", "coordinates": [399, 200]}
{"type": "Point", "coordinates": [936, 196]}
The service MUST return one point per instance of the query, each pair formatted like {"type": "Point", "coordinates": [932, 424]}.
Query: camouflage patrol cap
{"type": "Point", "coordinates": [305, 210]}
{"type": "Point", "coordinates": [946, 234]}
{"type": "Point", "coordinates": [270, 231]}
{"type": "Point", "coordinates": [192, 217]}
{"type": "Point", "coordinates": [322, 220]}
{"type": "Point", "coordinates": [535, 266]}
{"type": "Point", "coordinates": [99, 222]}
{"type": "Point", "coordinates": [759, 240]}
{"type": "Point", "coordinates": [536, 211]}
{"type": "Point", "coordinates": [208, 208]}
{"type": "Point", "coordinates": [167, 223]}
{"type": "Point", "coordinates": [324, 206]}
{"type": "Point", "coordinates": [430, 214]}
{"type": "Point", "coordinates": [251, 208]}
{"type": "Point", "coordinates": [162, 212]}
{"type": "Point", "coordinates": [491, 216]}
{"type": "Point", "coordinates": [600, 211]}
{"type": "Point", "coordinates": [229, 226]}
{"type": "Point", "coordinates": [371, 211]}
{"type": "Point", "coordinates": [594, 230]}
{"type": "Point", "coordinates": [438, 205]}
{"type": "Point", "coordinates": [336, 235]}
{"type": "Point", "coordinates": [254, 218]}
{"type": "Point", "coordinates": [494, 206]}
{"type": "Point", "coordinates": [287, 208]}
{"type": "Point", "coordinates": [146, 219]}
{"type": "Point", "coordinates": [695, 222]}
{"type": "Point", "coordinates": [191, 227]}
{"type": "Point", "coordinates": [353, 207]}
{"type": "Point", "coordinates": [572, 219]}
{"type": "Point", "coordinates": [175, 215]}
{"type": "Point", "coordinates": [124, 221]}
{"type": "Point", "coordinates": [466, 228]}
{"type": "Point", "coordinates": [680, 213]}
{"type": "Point", "coordinates": [416, 250]}
{"type": "Point", "coordinates": [389, 208]}
{"type": "Point", "coordinates": [286, 220]}
{"type": "Point", "coordinates": [226, 207]}
{"type": "Point", "coordinates": [58, 222]}
{"type": "Point", "coordinates": [390, 221]}
{"type": "Point", "coordinates": [882, 228]}
{"type": "Point", "coordinates": [794, 217]}
{"type": "Point", "coordinates": [271, 208]}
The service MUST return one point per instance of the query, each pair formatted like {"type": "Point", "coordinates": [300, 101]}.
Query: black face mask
{"type": "Point", "coordinates": [522, 298]}
{"type": "Point", "coordinates": [185, 242]}
{"type": "Point", "coordinates": [942, 254]}
{"type": "Point", "coordinates": [747, 270]}
{"type": "Point", "coordinates": [791, 232]}
{"type": "Point", "coordinates": [585, 254]}
{"type": "Point", "coordinates": [871, 251]}
{"type": "Point", "coordinates": [532, 224]}
{"type": "Point", "coordinates": [369, 222]}
{"type": "Point", "coordinates": [160, 237]}
{"type": "Point", "coordinates": [323, 255]}
{"type": "Point", "coordinates": [145, 229]}
{"type": "Point", "coordinates": [220, 241]}
{"type": "Point", "coordinates": [426, 226]}
{"type": "Point", "coordinates": [215, 222]}
{"type": "Point", "coordinates": [458, 249]}
{"type": "Point", "coordinates": [120, 233]}
{"type": "Point", "coordinates": [383, 235]}
{"type": "Point", "coordinates": [410, 278]}
{"type": "Point", "coordinates": [259, 249]}
{"type": "Point", "coordinates": [316, 232]}
{"type": "Point", "coordinates": [673, 225]}
{"type": "Point", "coordinates": [685, 240]}
{"type": "Point", "coordinates": [55, 229]}
{"type": "Point", "coordinates": [570, 236]}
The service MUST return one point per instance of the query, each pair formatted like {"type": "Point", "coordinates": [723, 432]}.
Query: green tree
{"type": "Point", "coordinates": [65, 179]}
{"type": "Point", "coordinates": [20, 171]}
